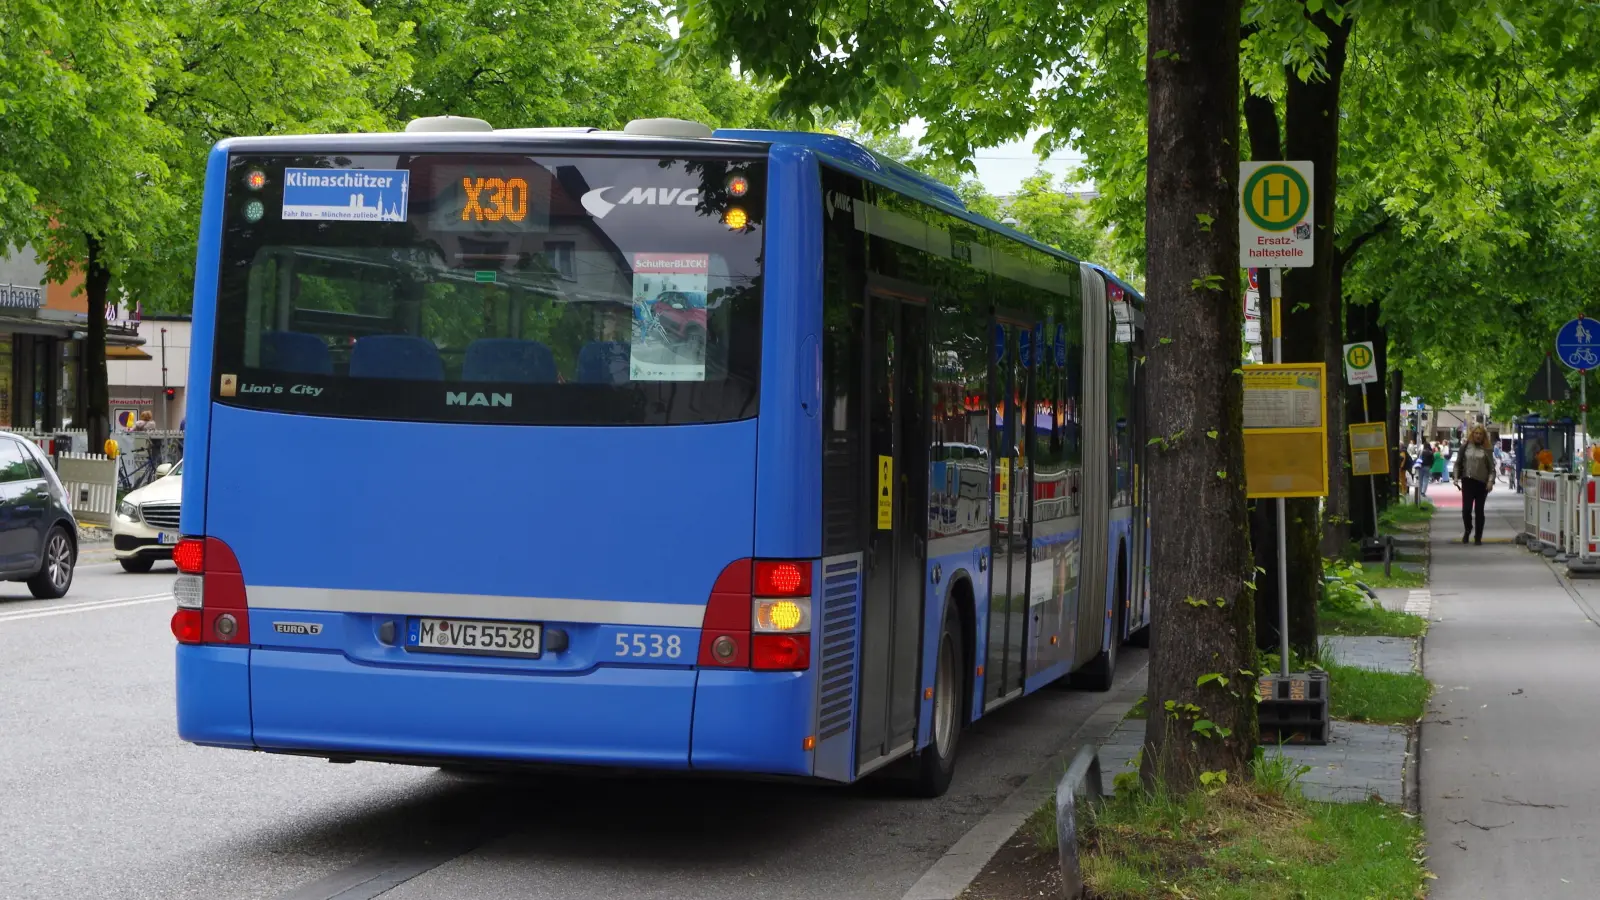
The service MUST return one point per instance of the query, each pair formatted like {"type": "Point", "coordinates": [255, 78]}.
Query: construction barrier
{"type": "Point", "coordinates": [1530, 506]}
{"type": "Point", "coordinates": [1551, 490]}
{"type": "Point", "coordinates": [91, 483]}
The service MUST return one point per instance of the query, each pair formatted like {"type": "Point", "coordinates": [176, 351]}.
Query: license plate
{"type": "Point", "coordinates": [166, 537]}
{"type": "Point", "coordinates": [478, 636]}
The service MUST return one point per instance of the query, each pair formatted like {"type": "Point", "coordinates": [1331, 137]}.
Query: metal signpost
{"type": "Point", "coordinates": [1361, 367]}
{"type": "Point", "coordinates": [1276, 232]}
{"type": "Point", "coordinates": [1576, 344]}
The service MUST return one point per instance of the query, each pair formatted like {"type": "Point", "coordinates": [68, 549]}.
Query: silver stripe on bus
{"type": "Point", "coordinates": [477, 606]}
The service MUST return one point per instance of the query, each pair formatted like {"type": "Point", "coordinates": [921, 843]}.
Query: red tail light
{"type": "Point", "coordinates": [186, 626]}
{"type": "Point", "coordinates": [781, 652]}
{"type": "Point", "coordinates": [759, 616]}
{"type": "Point", "coordinates": [210, 592]}
{"type": "Point", "coordinates": [189, 555]}
{"type": "Point", "coordinates": [783, 578]}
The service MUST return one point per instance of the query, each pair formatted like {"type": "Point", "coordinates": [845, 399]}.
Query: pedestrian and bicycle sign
{"type": "Point", "coordinates": [1275, 222]}
{"type": "Point", "coordinates": [1360, 363]}
{"type": "Point", "coordinates": [1578, 344]}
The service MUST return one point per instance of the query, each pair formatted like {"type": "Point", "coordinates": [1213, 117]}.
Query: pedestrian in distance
{"type": "Point", "coordinates": [1405, 472]}
{"type": "Point", "coordinates": [1474, 476]}
{"type": "Point", "coordinates": [1437, 467]}
{"type": "Point", "coordinates": [1425, 469]}
{"type": "Point", "coordinates": [147, 422]}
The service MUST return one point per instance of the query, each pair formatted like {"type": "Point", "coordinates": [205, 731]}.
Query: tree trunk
{"type": "Point", "coordinates": [1312, 328]}
{"type": "Point", "coordinates": [1201, 594]}
{"type": "Point", "coordinates": [96, 391]}
{"type": "Point", "coordinates": [1261, 119]}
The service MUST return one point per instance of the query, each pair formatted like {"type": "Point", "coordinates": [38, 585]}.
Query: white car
{"type": "Point", "coordinates": [146, 524]}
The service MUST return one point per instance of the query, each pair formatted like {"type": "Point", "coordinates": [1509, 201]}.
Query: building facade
{"type": "Point", "coordinates": [42, 329]}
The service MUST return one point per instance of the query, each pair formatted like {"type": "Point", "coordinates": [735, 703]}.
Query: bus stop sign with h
{"type": "Point", "coordinates": [1578, 346]}
{"type": "Point", "coordinates": [1285, 433]}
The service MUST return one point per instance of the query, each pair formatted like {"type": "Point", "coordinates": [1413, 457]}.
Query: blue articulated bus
{"type": "Point", "coordinates": [657, 449]}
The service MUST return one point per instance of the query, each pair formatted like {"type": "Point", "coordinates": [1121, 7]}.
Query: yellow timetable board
{"type": "Point", "coordinates": [1369, 449]}
{"type": "Point", "coordinates": [1285, 434]}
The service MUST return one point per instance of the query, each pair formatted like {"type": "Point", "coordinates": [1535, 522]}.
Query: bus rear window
{"type": "Point", "coordinates": [492, 288]}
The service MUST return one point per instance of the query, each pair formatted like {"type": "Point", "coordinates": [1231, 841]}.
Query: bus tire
{"type": "Point", "coordinates": [137, 564]}
{"type": "Point", "coordinates": [936, 763]}
{"type": "Point", "coordinates": [1102, 670]}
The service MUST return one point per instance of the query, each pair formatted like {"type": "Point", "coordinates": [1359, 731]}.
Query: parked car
{"type": "Point", "coordinates": [38, 534]}
{"type": "Point", "coordinates": [146, 524]}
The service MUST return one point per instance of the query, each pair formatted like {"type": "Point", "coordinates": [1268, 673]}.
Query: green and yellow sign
{"type": "Point", "coordinates": [1275, 215]}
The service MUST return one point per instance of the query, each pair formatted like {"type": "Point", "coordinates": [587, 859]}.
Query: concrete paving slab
{"type": "Point", "coordinates": [1379, 654]}
{"type": "Point", "coordinates": [1508, 781]}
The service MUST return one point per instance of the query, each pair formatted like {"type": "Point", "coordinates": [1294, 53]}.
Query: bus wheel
{"type": "Point", "coordinates": [1102, 670]}
{"type": "Point", "coordinates": [937, 761]}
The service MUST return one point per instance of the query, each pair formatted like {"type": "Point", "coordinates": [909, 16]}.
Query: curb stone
{"type": "Point", "coordinates": [961, 865]}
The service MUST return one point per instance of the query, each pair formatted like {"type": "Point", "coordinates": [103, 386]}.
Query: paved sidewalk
{"type": "Point", "coordinates": [1359, 761]}
{"type": "Point", "coordinates": [1510, 789]}
{"type": "Point", "coordinates": [1380, 654]}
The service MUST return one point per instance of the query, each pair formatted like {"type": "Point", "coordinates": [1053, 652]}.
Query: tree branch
{"type": "Point", "coordinates": [1348, 252]}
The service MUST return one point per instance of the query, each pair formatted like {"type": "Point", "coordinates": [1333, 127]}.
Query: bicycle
{"type": "Point", "coordinates": [142, 472]}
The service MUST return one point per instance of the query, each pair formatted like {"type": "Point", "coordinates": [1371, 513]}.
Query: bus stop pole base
{"type": "Point", "coordinates": [1283, 592]}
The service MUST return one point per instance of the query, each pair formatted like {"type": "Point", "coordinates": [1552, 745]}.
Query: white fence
{"type": "Point", "coordinates": [92, 480]}
{"type": "Point", "coordinates": [91, 483]}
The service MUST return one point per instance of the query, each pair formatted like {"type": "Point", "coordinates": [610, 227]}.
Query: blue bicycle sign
{"type": "Point", "coordinates": [1578, 344]}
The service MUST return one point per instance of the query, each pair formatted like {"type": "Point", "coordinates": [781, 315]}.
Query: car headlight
{"type": "Point", "coordinates": [128, 511]}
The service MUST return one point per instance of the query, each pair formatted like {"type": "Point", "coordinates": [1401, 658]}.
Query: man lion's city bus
{"type": "Point", "coordinates": [725, 452]}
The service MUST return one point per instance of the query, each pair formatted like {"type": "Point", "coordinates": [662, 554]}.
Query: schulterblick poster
{"type": "Point", "coordinates": [669, 316]}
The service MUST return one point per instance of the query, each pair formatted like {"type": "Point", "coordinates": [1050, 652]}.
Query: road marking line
{"type": "Point", "coordinates": [92, 606]}
{"type": "Point", "coordinates": [1420, 602]}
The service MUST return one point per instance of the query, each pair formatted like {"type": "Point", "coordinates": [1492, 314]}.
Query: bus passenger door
{"type": "Point", "coordinates": [1008, 595]}
{"type": "Point", "coordinates": [897, 435]}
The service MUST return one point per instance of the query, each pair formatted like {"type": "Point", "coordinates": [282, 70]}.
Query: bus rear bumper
{"type": "Point", "coordinates": [611, 716]}
{"type": "Point", "coordinates": [754, 722]}
{"type": "Point", "coordinates": [214, 695]}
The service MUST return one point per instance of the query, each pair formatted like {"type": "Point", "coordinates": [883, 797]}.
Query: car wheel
{"type": "Point", "coordinates": [55, 574]}
{"type": "Point", "coordinates": [137, 564]}
{"type": "Point", "coordinates": [936, 764]}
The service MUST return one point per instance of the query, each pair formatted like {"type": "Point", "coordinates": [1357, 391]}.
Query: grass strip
{"type": "Point", "coordinates": [1361, 695]}
{"type": "Point", "coordinates": [1400, 515]}
{"type": "Point", "coordinates": [1243, 843]}
{"type": "Point", "coordinates": [1370, 620]}
{"type": "Point", "coordinates": [1373, 577]}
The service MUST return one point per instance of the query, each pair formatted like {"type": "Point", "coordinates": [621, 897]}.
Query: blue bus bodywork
{"type": "Point", "coordinates": [345, 531]}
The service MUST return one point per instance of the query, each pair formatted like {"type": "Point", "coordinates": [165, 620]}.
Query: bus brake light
{"type": "Point", "coordinates": [186, 626]}
{"type": "Point", "coordinates": [780, 652]}
{"type": "Point", "coordinates": [782, 578]}
{"type": "Point", "coordinates": [189, 555]}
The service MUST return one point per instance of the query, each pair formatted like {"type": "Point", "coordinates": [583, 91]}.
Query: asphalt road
{"type": "Point", "coordinates": [100, 798]}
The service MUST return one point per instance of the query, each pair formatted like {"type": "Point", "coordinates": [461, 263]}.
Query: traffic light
{"type": "Point", "coordinates": [172, 392]}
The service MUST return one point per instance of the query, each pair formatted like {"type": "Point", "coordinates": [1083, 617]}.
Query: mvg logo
{"type": "Point", "coordinates": [462, 398]}
{"type": "Point", "coordinates": [598, 206]}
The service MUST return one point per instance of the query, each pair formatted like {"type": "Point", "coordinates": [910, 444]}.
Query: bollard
{"type": "Point", "coordinates": [1080, 782]}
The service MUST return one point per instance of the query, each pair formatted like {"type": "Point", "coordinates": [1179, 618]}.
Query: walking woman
{"type": "Point", "coordinates": [1474, 475]}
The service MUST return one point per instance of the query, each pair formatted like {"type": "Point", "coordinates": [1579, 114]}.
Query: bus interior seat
{"type": "Point", "coordinates": [508, 359]}
{"type": "Point", "coordinates": [603, 362]}
{"type": "Point", "coordinates": [295, 351]}
{"type": "Point", "coordinates": [398, 356]}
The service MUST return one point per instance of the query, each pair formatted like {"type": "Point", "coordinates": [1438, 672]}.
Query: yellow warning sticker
{"type": "Point", "coordinates": [885, 493]}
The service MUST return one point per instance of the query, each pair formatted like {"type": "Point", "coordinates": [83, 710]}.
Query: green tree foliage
{"type": "Point", "coordinates": [558, 63]}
